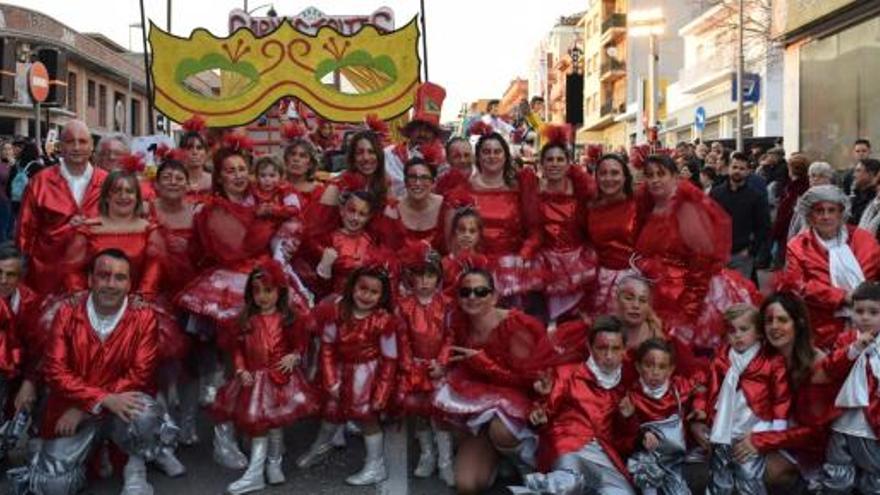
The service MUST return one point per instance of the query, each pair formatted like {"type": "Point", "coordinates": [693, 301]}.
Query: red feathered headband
{"type": "Point", "coordinates": [133, 163]}
{"type": "Point", "coordinates": [480, 128]}
{"type": "Point", "coordinates": [163, 154]}
{"type": "Point", "coordinates": [375, 124]}
{"type": "Point", "coordinates": [419, 255]}
{"type": "Point", "coordinates": [238, 141]}
{"type": "Point", "coordinates": [349, 182]}
{"type": "Point", "coordinates": [292, 129]}
{"type": "Point", "coordinates": [196, 124]}
{"type": "Point", "coordinates": [272, 273]}
{"type": "Point", "coordinates": [433, 153]}
{"type": "Point", "coordinates": [556, 135]}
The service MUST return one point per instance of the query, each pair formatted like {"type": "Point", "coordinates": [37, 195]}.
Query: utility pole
{"type": "Point", "coordinates": [740, 63]}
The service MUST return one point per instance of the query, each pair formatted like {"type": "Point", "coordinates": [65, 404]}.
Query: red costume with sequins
{"type": "Point", "coordinates": [764, 383]}
{"type": "Point", "coordinates": [10, 353]}
{"type": "Point", "coordinates": [44, 224]}
{"type": "Point", "coordinates": [358, 361]}
{"type": "Point", "coordinates": [81, 370]}
{"type": "Point", "coordinates": [497, 381]}
{"type": "Point", "coordinates": [511, 235]}
{"type": "Point", "coordinates": [282, 203]}
{"type": "Point", "coordinates": [812, 414]}
{"type": "Point", "coordinates": [580, 411]}
{"type": "Point", "coordinates": [424, 339]}
{"type": "Point", "coordinates": [807, 268]}
{"type": "Point", "coordinates": [685, 249]}
{"type": "Point", "coordinates": [353, 250]}
{"type": "Point", "coordinates": [566, 262]}
{"type": "Point", "coordinates": [413, 238]}
{"type": "Point", "coordinates": [275, 399]}
{"type": "Point", "coordinates": [233, 241]}
{"type": "Point", "coordinates": [612, 229]}
{"type": "Point", "coordinates": [677, 400]}
{"type": "Point", "coordinates": [179, 258]}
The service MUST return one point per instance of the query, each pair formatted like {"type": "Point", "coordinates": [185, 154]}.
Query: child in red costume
{"type": "Point", "coordinates": [577, 447]}
{"type": "Point", "coordinates": [657, 407]}
{"type": "Point", "coordinates": [424, 342]}
{"type": "Point", "coordinates": [358, 366]}
{"type": "Point", "coordinates": [748, 392]}
{"type": "Point", "coordinates": [852, 459]}
{"type": "Point", "coordinates": [269, 390]}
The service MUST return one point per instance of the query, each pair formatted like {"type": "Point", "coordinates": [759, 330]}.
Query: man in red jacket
{"type": "Point", "coordinates": [99, 368]}
{"type": "Point", "coordinates": [56, 201]}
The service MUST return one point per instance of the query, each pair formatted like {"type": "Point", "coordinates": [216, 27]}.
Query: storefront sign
{"type": "Point", "coordinates": [802, 12]}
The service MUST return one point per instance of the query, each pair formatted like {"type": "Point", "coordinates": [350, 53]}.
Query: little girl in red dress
{"type": "Point", "coordinates": [424, 342]}
{"type": "Point", "coordinates": [358, 366]}
{"type": "Point", "coordinates": [269, 390]}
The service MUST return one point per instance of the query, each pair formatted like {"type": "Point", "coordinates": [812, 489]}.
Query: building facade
{"type": "Point", "coordinates": [91, 77]}
{"type": "Point", "coordinates": [551, 63]}
{"type": "Point", "coordinates": [832, 61]}
{"type": "Point", "coordinates": [705, 83]}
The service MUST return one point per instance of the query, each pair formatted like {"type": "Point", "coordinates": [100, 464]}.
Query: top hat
{"type": "Point", "coordinates": [427, 107]}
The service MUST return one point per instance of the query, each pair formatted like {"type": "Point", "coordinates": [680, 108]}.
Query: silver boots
{"type": "Point", "coordinates": [252, 480]}
{"type": "Point", "coordinates": [374, 465]}
{"type": "Point", "coordinates": [226, 451]}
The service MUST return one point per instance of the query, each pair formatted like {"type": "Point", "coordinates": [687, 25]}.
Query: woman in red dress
{"type": "Point", "coordinates": [613, 226]}
{"type": "Point", "coordinates": [173, 213]}
{"type": "Point", "coordinates": [815, 379]}
{"type": "Point", "coordinates": [500, 354]}
{"type": "Point", "coordinates": [195, 159]}
{"type": "Point", "coordinates": [685, 245]}
{"type": "Point", "coordinates": [420, 212]}
{"type": "Point", "coordinates": [459, 167]}
{"type": "Point", "coordinates": [301, 162]}
{"type": "Point", "coordinates": [566, 261]}
{"type": "Point", "coordinates": [505, 201]}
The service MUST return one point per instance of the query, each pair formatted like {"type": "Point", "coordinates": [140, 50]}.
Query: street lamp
{"type": "Point", "coordinates": [650, 23]}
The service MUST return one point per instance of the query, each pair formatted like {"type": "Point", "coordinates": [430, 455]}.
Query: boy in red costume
{"type": "Point", "coordinates": [576, 448]}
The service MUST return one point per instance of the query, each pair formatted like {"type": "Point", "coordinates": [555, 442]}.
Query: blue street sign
{"type": "Point", "coordinates": [700, 119]}
{"type": "Point", "coordinates": [751, 87]}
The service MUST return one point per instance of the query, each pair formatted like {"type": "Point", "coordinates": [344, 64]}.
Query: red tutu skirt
{"type": "Point", "coordinates": [568, 277]}
{"type": "Point", "coordinates": [605, 294]}
{"type": "Point", "coordinates": [515, 275]}
{"type": "Point", "coordinates": [355, 394]}
{"type": "Point", "coordinates": [274, 400]}
{"type": "Point", "coordinates": [415, 396]}
{"type": "Point", "coordinates": [707, 330]}
{"type": "Point", "coordinates": [217, 293]}
{"type": "Point", "coordinates": [472, 404]}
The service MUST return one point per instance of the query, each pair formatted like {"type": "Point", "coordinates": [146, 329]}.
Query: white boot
{"type": "Point", "coordinates": [274, 473]}
{"type": "Point", "coordinates": [427, 455]}
{"type": "Point", "coordinates": [322, 446]}
{"type": "Point", "coordinates": [226, 451]}
{"type": "Point", "coordinates": [189, 408]}
{"type": "Point", "coordinates": [445, 466]}
{"type": "Point", "coordinates": [374, 465]}
{"type": "Point", "coordinates": [169, 463]}
{"type": "Point", "coordinates": [252, 479]}
{"type": "Point", "coordinates": [135, 477]}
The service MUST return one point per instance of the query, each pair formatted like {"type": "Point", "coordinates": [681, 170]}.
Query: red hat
{"type": "Point", "coordinates": [427, 107]}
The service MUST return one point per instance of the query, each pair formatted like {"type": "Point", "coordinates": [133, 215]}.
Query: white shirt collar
{"type": "Point", "coordinates": [655, 393]}
{"type": "Point", "coordinates": [15, 301]}
{"type": "Point", "coordinates": [77, 183]}
{"type": "Point", "coordinates": [606, 380]}
{"type": "Point", "coordinates": [104, 325]}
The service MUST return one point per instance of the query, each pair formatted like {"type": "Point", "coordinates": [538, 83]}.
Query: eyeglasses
{"type": "Point", "coordinates": [478, 292]}
{"type": "Point", "coordinates": [420, 177]}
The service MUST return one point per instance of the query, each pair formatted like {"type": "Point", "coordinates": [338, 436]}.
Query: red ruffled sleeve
{"type": "Point", "coordinates": [530, 198]}
{"type": "Point", "coordinates": [387, 372]}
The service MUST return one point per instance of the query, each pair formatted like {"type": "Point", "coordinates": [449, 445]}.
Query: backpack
{"type": "Point", "coordinates": [20, 182]}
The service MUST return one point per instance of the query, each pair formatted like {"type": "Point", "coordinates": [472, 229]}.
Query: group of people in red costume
{"type": "Point", "coordinates": [575, 326]}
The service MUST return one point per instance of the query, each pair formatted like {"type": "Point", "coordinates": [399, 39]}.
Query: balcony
{"type": "Point", "coordinates": [613, 27]}
{"type": "Point", "coordinates": [611, 108]}
{"type": "Point", "coordinates": [612, 70]}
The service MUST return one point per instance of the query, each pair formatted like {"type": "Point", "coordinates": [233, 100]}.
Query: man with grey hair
{"type": "Point", "coordinates": [111, 149]}
{"type": "Point", "coordinates": [56, 200]}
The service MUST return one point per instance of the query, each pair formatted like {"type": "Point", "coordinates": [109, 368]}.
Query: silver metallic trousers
{"type": "Point", "coordinates": [851, 462]}
{"type": "Point", "coordinates": [58, 468]}
{"type": "Point", "coordinates": [726, 476]}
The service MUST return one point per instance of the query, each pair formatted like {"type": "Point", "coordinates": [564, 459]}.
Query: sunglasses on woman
{"type": "Point", "coordinates": [478, 292]}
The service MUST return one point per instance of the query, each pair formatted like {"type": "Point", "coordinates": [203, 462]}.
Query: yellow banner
{"type": "Point", "coordinates": [342, 78]}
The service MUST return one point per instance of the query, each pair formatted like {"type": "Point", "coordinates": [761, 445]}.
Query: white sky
{"type": "Point", "coordinates": [475, 47]}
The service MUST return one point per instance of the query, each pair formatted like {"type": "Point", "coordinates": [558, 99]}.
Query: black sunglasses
{"type": "Point", "coordinates": [479, 292]}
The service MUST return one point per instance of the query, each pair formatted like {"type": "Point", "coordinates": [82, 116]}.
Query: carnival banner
{"type": "Point", "coordinates": [342, 77]}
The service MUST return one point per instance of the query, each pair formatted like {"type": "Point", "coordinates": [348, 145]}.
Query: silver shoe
{"type": "Point", "coordinates": [226, 451]}
{"type": "Point", "coordinates": [319, 449]}
{"type": "Point", "coordinates": [252, 480]}
{"type": "Point", "coordinates": [169, 463]}
{"type": "Point", "coordinates": [135, 478]}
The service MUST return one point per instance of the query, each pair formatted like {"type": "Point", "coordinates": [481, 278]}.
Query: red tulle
{"type": "Point", "coordinates": [133, 163]}
{"type": "Point", "coordinates": [292, 129]}
{"type": "Point", "coordinates": [556, 135]}
{"type": "Point", "coordinates": [238, 141]}
{"type": "Point", "coordinates": [433, 153]}
{"type": "Point", "coordinates": [196, 123]}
